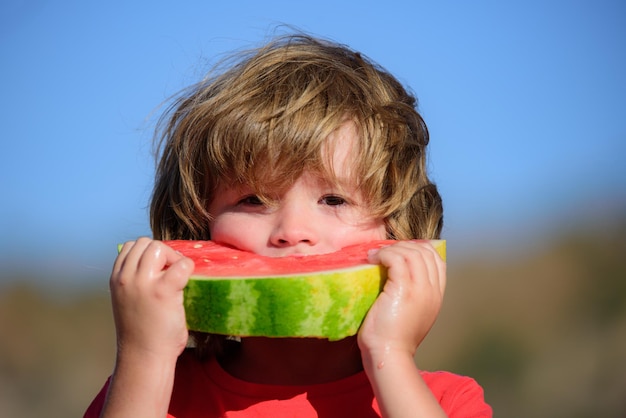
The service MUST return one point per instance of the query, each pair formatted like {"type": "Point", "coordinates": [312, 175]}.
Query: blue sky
{"type": "Point", "coordinates": [525, 101]}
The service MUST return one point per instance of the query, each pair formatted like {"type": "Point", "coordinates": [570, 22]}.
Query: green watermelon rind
{"type": "Point", "coordinates": [328, 304]}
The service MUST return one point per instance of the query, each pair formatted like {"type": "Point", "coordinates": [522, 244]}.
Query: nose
{"type": "Point", "coordinates": [294, 225]}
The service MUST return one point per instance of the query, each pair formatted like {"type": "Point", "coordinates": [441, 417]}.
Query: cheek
{"type": "Point", "coordinates": [222, 228]}
{"type": "Point", "coordinates": [215, 228]}
{"type": "Point", "coordinates": [382, 231]}
{"type": "Point", "coordinates": [238, 232]}
{"type": "Point", "coordinates": [378, 231]}
{"type": "Point", "coordinates": [360, 234]}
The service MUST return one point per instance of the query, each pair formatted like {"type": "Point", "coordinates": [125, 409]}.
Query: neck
{"type": "Point", "coordinates": [293, 361]}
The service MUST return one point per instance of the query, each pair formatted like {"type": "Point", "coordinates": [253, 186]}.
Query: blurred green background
{"type": "Point", "coordinates": [525, 102]}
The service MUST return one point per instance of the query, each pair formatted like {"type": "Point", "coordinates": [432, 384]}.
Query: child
{"type": "Point", "coordinates": [302, 146]}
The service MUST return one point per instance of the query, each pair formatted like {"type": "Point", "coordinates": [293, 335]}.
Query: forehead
{"type": "Point", "coordinates": [339, 151]}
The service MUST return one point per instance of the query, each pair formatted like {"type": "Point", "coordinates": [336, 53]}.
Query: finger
{"type": "Point", "coordinates": [155, 258]}
{"type": "Point", "coordinates": [127, 260]}
{"type": "Point", "coordinates": [438, 266]}
{"type": "Point", "coordinates": [427, 254]}
{"type": "Point", "coordinates": [171, 255]}
{"type": "Point", "coordinates": [408, 253]}
{"type": "Point", "coordinates": [374, 255]}
{"type": "Point", "coordinates": [394, 258]}
{"type": "Point", "coordinates": [121, 256]}
{"type": "Point", "coordinates": [177, 275]}
{"type": "Point", "coordinates": [134, 254]}
{"type": "Point", "coordinates": [423, 264]}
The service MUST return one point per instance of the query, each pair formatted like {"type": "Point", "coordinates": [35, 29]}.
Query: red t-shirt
{"type": "Point", "coordinates": [206, 390]}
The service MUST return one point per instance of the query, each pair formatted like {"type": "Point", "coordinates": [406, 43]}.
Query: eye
{"type": "Point", "coordinates": [252, 200]}
{"type": "Point", "coordinates": [333, 200]}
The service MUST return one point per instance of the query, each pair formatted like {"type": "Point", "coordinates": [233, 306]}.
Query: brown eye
{"type": "Point", "coordinates": [252, 200]}
{"type": "Point", "coordinates": [333, 200]}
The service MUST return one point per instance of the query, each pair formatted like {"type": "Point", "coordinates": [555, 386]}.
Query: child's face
{"type": "Point", "coordinates": [311, 217]}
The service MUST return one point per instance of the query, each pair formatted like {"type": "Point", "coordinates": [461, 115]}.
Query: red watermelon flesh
{"type": "Point", "coordinates": [215, 260]}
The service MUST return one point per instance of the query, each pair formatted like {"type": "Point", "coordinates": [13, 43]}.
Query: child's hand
{"type": "Point", "coordinates": [147, 297]}
{"type": "Point", "coordinates": [410, 301]}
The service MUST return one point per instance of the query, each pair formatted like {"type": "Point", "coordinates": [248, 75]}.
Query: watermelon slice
{"type": "Point", "coordinates": [239, 293]}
